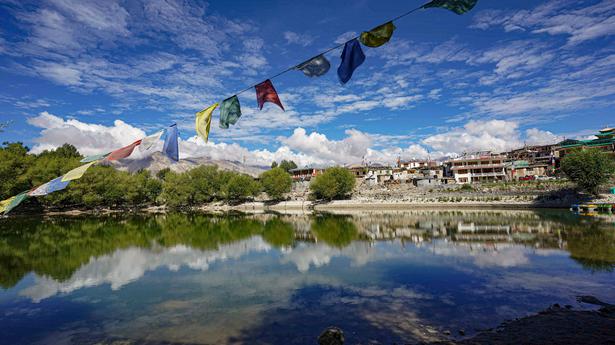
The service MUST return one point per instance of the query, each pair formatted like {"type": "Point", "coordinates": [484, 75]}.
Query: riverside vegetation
{"type": "Point", "coordinates": [105, 186]}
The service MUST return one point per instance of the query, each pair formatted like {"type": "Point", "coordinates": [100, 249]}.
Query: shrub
{"type": "Point", "coordinates": [588, 169]}
{"type": "Point", "coordinates": [276, 182]}
{"type": "Point", "coordinates": [334, 183]}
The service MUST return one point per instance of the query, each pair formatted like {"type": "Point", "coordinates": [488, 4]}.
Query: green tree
{"type": "Point", "coordinates": [276, 182]}
{"type": "Point", "coordinates": [274, 164]}
{"type": "Point", "coordinates": [334, 183]}
{"type": "Point", "coordinates": [589, 169]}
{"type": "Point", "coordinates": [240, 187]}
{"type": "Point", "coordinates": [287, 165]}
{"type": "Point", "coordinates": [14, 162]}
{"type": "Point", "coordinates": [177, 190]}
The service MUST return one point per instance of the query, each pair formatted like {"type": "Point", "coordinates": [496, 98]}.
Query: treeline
{"type": "Point", "coordinates": [105, 186]}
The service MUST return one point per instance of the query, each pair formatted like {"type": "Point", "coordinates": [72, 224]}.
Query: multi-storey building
{"type": "Point", "coordinates": [478, 167]}
{"type": "Point", "coordinates": [605, 141]}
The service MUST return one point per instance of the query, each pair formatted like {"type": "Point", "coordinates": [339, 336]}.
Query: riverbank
{"type": "Point", "coordinates": [393, 197]}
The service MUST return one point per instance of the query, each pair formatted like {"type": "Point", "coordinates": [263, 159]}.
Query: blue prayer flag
{"type": "Point", "coordinates": [52, 186]}
{"type": "Point", "coordinates": [171, 148]}
{"type": "Point", "coordinates": [352, 57]}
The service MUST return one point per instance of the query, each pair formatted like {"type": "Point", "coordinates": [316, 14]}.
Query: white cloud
{"type": "Point", "coordinates": [302, 147]}
{"type": "Point", "coordinates": [87, 138]}
{"type": "Point", "coordinates": [555, 17]}
{"type": "Point", "coordinates": [492, 135]}
{"type": "Point", "coordinates": [296, 38]}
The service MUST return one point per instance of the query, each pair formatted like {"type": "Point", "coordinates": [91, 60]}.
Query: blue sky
{"type": "Point", "coordinates": [100, 74]}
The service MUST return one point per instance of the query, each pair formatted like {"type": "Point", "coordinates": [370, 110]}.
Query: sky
{"type": "Point", "coordinates": [101, 74]}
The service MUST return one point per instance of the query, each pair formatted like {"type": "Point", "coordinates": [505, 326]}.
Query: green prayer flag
{"type": "Point", "coordinates": [457, 6]}
{"type": "Point", "coordinates": [378, 35]}
{"type": "Point", "coordinates": [230, 112]}
{"type": "Point", "coordinates": [15, 201]}
{"type": "Point", "coordinates": [94, 158]}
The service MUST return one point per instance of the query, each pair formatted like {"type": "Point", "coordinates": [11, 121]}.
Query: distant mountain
{"type": "Point", "coordinates": [158, 161]}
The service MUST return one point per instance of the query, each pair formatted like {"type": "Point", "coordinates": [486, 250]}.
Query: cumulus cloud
{"type": "Point", "coordinates": [491, 135]}
{"type": "Point", "coordinates": [88, 138]}
{"type": "Point", "coordinates": [303, 147]}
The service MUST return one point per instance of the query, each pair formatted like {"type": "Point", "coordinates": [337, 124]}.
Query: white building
{"type": "Point", "coordinates": [478, 167]}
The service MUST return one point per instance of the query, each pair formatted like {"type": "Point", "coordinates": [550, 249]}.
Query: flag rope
{"type": "Point", "coordinates": [326, 51]}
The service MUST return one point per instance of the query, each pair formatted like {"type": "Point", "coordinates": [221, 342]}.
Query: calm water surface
{"type": "Point", "coordinates": [282, 279]}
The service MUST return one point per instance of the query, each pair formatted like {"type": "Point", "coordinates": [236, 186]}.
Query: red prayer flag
{"type": "Point", "coordinates": [265, 92]}
{"type": "Point", "coordinates": [123, 152]}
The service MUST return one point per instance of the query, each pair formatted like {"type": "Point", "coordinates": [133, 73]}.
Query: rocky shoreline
{"type": "Point", "coordinates": [554, 325]}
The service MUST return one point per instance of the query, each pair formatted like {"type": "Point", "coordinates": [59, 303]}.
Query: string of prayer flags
{"type": "Point", "coordinates": [150, 140]}
{"type": "Point", "coordinates": [230, 112]}
{"type": "Point", "coordinates": [52, 186]}
{"type": "Point", "coordinates": [124, 152]}
{"type": "Point", "coordinates": [457, 6]}
{"type": "Point", "coordinates": [171, 147]}
{"type": "Point", "coordinates": [77, 173]}
{"type": "Point", "coordinates": [15, 201]}
{"type": "Point", "coordinates": [203, 121]}
{"type": "Point", "coordinates": [314, 67]}
{"type": "Point", "coordinates": [265, 92]}
{"type": "Point", "coordinates": [94, 158]}
{"type": "Point", "coordinates": [378, 35]}
{"type": "Point", "coordinates": [352, 57]}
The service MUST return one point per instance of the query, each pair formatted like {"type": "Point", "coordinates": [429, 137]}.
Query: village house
{"type": "Point", "coordinates": [535, 154]}
{"type": "Point", "coordinates": [305, 173]}
{"type": "Point", "coordinates": [378, 173]}
{"type": "Point", "coordinates": [358, 170]}
{"type": "Point", "coordinates": [416, 164]}
{"type": "Point", "coordinates": [478, 167]}
{"type": "Point", "coordinates": [519, 169]}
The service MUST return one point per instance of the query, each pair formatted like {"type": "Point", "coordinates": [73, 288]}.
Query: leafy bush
{"type": "Point", "coordinates": [334, 183]}
{"type": "Point", "coordinates": [589, 169]}
{"type": "Point", "coordinates": [276, 182]}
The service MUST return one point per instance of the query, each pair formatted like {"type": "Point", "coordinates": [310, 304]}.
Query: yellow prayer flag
{"type": "Point", "coordinates": [203, 121]}
{"type": "Point", "coordinates": [5, 203]}
{"type": "Point", "coordinates": [77, 172]}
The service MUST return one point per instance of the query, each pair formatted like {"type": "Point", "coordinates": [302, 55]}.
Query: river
{"type": "Point", "coordinates": [382, 277]}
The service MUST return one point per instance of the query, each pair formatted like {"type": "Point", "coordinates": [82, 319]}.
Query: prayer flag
{"type": "Point", "coordinates": [94, 158]}
{"type": "Point", "coordinates": [203, 121]}
{"type": "Point", "coordinates": [315, 67]}
{"type": "Point", "coordinates": [52, 186]}
{"type": "Point", "coordinates": [457, 6]}
{"type": "Point", "coordinates": [15, 201]}
{"type": "Point", "coordinates": [352, 57]}
{"type": "Point", "coordinates": [149, 141]}
{"type": "Point", "coordinates": [265, 92]}
{"type": "Point", "coordinates": [378, 35]}
{"type": "Point", "coordinates": [171, 147]}
{"type": "Point", "coordinates": [5, 203]}
{"type": "Point", "coordinates": [230, 111]}
{"type": "Point", "coordinates": [124, 152]}
{"type": "Point", "coordinates": [77, 172]}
